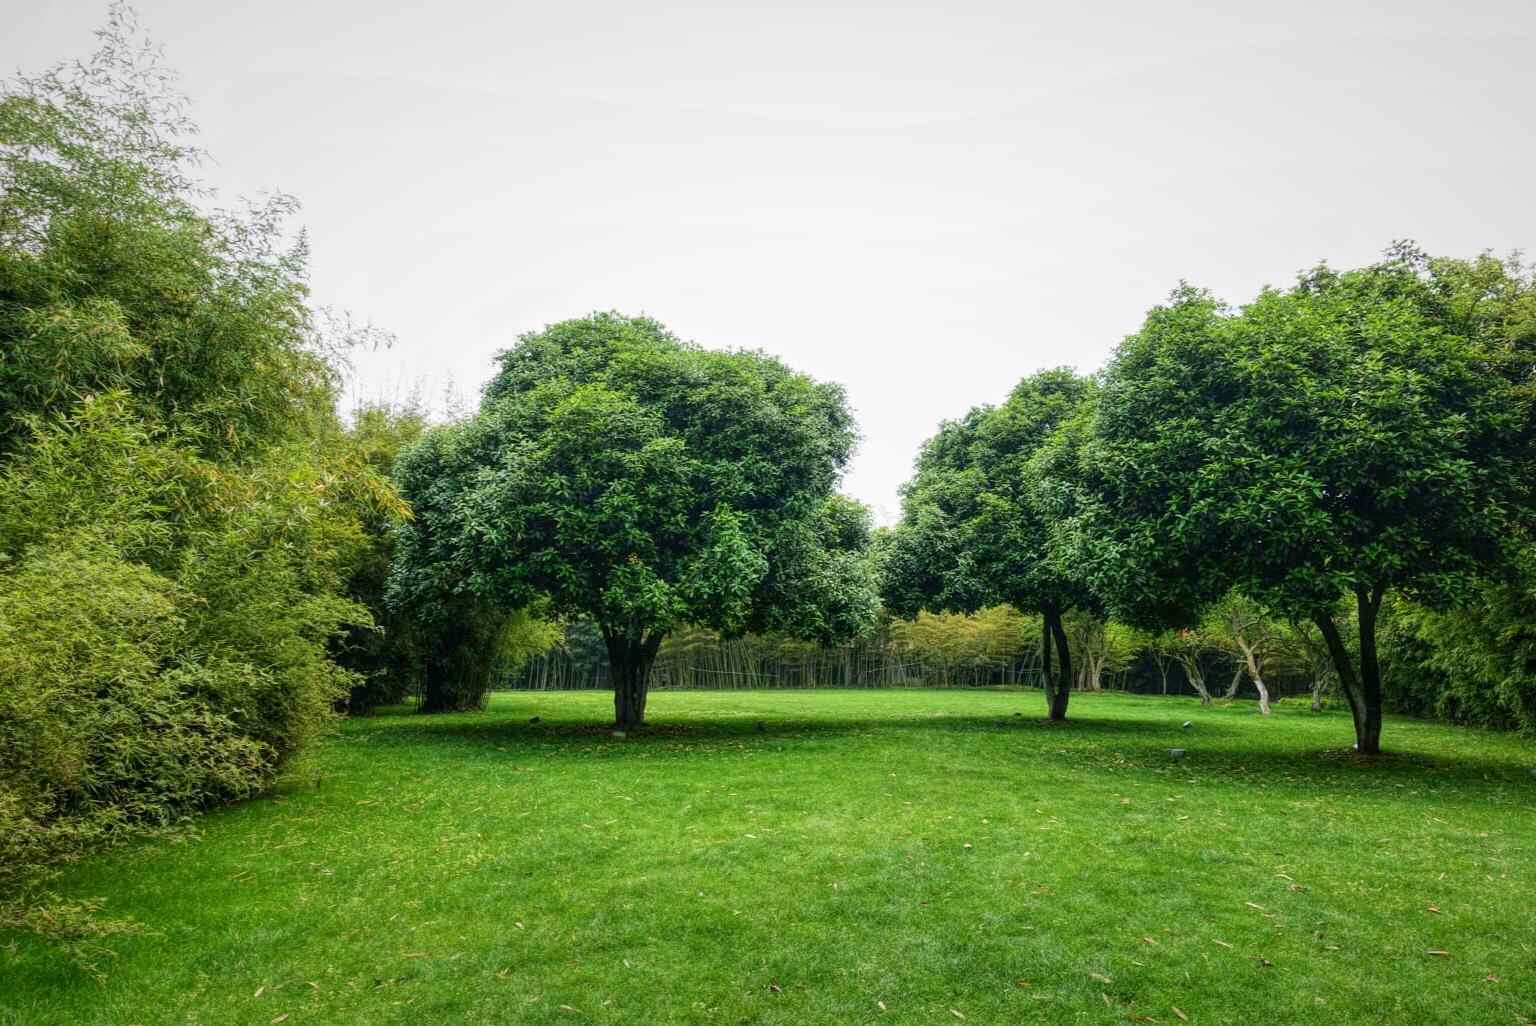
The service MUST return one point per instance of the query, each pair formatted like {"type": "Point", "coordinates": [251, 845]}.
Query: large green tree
{"type": "Point", "coordinates": [978, 515]}
{"type": "Point", "coordinates": [1361, 433]}
{"type": "Point", "coordinates": [645, 483]}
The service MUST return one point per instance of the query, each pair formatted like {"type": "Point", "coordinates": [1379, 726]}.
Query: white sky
{"type": "Point", "coordinates": [922, 203]}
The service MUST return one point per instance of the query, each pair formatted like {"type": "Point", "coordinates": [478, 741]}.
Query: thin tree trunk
{"type": "Point", "coordinates": [1196, 677]}
{"type": "Point", "coordinates": [1254, 674]}
{"type": "Point", "coordinates": [1237, 681]}
{"type": "Point", "coordinates": [1258, 682]}
{"type": "Point", "coordinates": [1057, 699]}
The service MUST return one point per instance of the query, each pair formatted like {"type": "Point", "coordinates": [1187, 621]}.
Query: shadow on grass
{"type": "Point", "coordinates": [1221, 746]}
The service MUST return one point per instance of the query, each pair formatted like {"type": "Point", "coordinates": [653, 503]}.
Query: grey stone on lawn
{"type": "Point", "coordinates": [1177, 753]}
{"type": "Point", "coordinates": [619, 733]}
{"type": "Point", "coordinates": [1188, 724]}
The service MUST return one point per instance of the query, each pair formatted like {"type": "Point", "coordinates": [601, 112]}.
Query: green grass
{"type": "Point", "coordinates": [924, 849]}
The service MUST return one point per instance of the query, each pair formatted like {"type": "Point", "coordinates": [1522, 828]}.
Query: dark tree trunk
{"type": "Point", "coordinates": [456, 671]}
{"type": "Point", "coordinates": [1368, 733]}
{"type": "Point", "coordinates": [1057, 698]}
{"type": "Point", "coordinates": [1045, 657]}
{"type": "Point", "coordinates": [629, 671]}
{"type": "Point", "coordinates": [1362, 690]}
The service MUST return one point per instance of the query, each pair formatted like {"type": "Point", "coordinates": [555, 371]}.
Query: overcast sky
{"type": "Point", "coordinates": [924, 204]}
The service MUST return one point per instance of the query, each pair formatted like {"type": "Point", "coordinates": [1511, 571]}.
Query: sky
{"type": "Point", "coordinates": [924, 203]}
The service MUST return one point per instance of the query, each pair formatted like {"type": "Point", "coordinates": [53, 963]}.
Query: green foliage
{"type": "Point", "coordinates": [1357, 434]}
{"type": "Point", "coordinates": [646, 483]}
{"type": "Point", "coordinates": [1475, 663]}
{"type": "Point", "coordinates": [978, 516]}
{"type": "Point", "coordinates": [102, 725]}
{"type": "Point", "coordinates": [179, 516]}
{"type": "Point", "coordinates": [947, 643]}
{"type": "Point", "coordinates": [388, 654]}
{"type": "Point", "coordinates": [112, 276]}
{"type": "Point", "coordinates": [164, 625]}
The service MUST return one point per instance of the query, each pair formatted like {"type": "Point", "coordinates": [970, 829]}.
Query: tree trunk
{"type": "Point", "coordinates": [1363, 691]}
{"type": "Point", "coordinates": [1369, 737]}
{"type": "Point", "coordinates": [1057, 700]}
{"type": "Point", "coordinates": [1258, 682]}
{"type": "Point", "coordinates": [1196, 677]}
{"type": "Point", "coordinates": [1237, 681]}
{"type": "Point", "coordinates": [1257, 677]}
{"type": "Point", "coordinates": [1318, 685]}
{"type": "Point", "coordinates": [1045, 657]}
{"type": "Point", "coordinates": [630, 658]}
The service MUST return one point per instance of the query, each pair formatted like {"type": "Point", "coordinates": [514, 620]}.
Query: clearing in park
{"type": "Point", "coordinates": [835, 857]}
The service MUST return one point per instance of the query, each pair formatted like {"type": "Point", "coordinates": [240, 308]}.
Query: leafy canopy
{"type": "Point", "coordinates": [646, 483]}
{"type": "Point", "coordinates": [1360, 430]}
{"type": "Point", "coordinates": [977, 515]}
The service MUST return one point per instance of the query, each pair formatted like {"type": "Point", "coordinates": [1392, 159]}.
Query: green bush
{"type": "Point", "coordinates": [166, 630]}
{"type": "Point", "coordinates": [102, 727]}
{"type": "Point", "coordinates": [1474, 664]}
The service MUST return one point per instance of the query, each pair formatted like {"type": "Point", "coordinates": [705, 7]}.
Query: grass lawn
{"type": "Point", "coordinates": [868, 857]}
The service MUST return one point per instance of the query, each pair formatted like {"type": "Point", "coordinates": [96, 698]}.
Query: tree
{"type": "Point", "coordinates": [645, 483]}
{"type": "Point", "coordinates": [1189, 647]}
{"type": "Point", "coordinates": [1163, 648]}
{"type": "Point", "coordinates": [428, 581]}
{"type": "Point", "coordinates": [1246, 631]}
{"type": "Point", "coordinates": [1101, 646]}
{"type": "Point", "coordinates": [387, 654]}
{"type": "Point", "coordinates": [114, 276]}
{"type": "Point", "coordinates": [977, 517]}
{"type": "Point", "coordinates": [1361, 433]}
{"type": "Point", "coordinates": [1308, 644]}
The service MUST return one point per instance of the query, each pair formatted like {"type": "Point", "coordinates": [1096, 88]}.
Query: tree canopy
{"type": "Point", "coordinates": [646, 483]}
